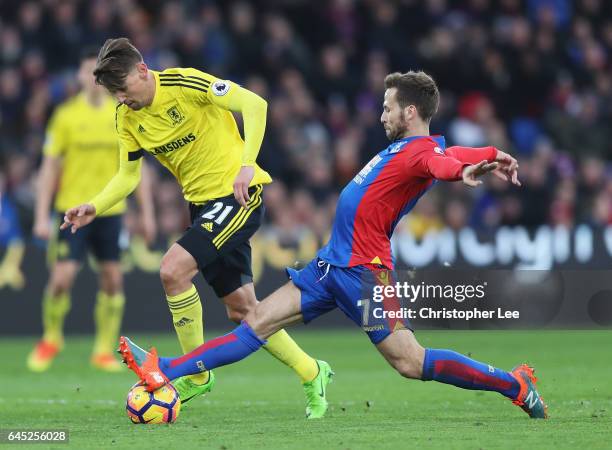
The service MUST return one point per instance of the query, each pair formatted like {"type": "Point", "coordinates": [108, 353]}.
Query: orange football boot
{"type": "Point", "coordinates": [528, 397]}
{"type": "Point", "coordinates": [144, 364]}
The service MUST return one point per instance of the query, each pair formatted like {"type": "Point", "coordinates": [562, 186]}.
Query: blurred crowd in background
{"type": "Point", "coordinates": [531, 77]}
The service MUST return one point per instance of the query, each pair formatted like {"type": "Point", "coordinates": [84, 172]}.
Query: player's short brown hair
{"type": "Point", "coordinates": [415, 88]}
{"type": "Point", "coordinates": [116, 59]}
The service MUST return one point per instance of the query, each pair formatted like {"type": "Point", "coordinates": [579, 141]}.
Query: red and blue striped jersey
{"type": "Point", "coordinates": [386, 189]}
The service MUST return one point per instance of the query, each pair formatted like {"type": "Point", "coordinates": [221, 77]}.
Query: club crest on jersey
{"type": "Point", "coordinates": [438, 150]}
{"type": "Point", "coordinates": [175, 114]}
{"type": "Point", "coordinates": [220, 88]}
{"type": "Point", "coordinates": [394, 148]}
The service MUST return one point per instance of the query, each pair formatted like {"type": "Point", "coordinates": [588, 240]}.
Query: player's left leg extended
{"type": "Point", "coordinates": [280, 344]}
{"type": "Point", "coordinates": [278, 310]}
{"type": "Point", "coordinates": [108, 313]}
{"type": "Point", "coordinates": [282, 347]}
{"type": "Point", "coordinates": [406, 355]}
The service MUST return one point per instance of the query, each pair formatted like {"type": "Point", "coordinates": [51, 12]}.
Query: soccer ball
{"type": "Point", "coordinates": [160, 406]}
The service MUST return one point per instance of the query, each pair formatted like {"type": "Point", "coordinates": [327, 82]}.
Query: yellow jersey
{"type": "Point", "coordinates": [84, 137]}
{"type": "Point", "coordinates": [189, 129]}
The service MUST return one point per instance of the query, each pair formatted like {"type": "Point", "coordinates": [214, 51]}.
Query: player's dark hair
{"type": "Point", "coordinates": [116, 59]}
{"type": "Point", "coordinates": [415, 88]}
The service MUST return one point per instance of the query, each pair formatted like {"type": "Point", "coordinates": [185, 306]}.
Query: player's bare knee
{"type": "Point", "coordinates": [175, 274]}
{"type": "Point", "coordinates": [170, 273]}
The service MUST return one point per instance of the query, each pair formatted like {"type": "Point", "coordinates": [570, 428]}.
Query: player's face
{"type": "Point", "coordinates": [135, 94]}
{"type": "Point", "coordinates": [393, 118]}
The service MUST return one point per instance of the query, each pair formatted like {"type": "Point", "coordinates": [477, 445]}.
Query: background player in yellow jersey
{"type": "Point", "coordinates": [80, 157]}
{"type": "Point", "coordinates": [184, 118]}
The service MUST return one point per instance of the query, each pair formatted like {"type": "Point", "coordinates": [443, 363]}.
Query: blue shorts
{"type": "Point", "coordinates": [101, 237]}
{"type": "Point", "coordinates": [325, 287]}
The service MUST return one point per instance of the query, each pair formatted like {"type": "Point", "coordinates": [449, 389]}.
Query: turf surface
{"type": "Point", "coordinates": [258, 403]}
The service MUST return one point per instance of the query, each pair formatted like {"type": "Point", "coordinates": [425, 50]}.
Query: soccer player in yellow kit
{"type": "Point", "coordinates": [80, 156]}
{"type": "Point", "coordinates": [184, 118]}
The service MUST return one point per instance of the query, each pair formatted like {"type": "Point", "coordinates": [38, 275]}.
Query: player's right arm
{"type": "Point", "coordinates": [119, 187]}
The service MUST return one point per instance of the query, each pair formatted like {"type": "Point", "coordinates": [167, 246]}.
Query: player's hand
{"type": "Point", "coordinates": [148, 228]}
{"type": "Point", "coordinates": [42, 229]}
{"type": "Point", "coordinates": [474, 171]}
{"type": "Point", "coordinates": [508, 168]}
{"type": "Point", "coordinates": [78, 217]}
{"type": "Point", "coordinates": [241, 185]}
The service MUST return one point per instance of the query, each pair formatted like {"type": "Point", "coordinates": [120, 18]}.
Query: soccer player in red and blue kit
{"type": "Point", "coordinates": [358, 256]}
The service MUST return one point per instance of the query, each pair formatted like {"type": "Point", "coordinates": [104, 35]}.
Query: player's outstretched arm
{"type": "Point", "coordinates": [508, 166]}
{"type": "Point", "coordinates": [442, 166]}
{"type": "Point", "coordinates": [472, 172]}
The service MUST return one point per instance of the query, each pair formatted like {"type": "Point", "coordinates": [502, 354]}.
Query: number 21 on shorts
{"type": "Point", "coordinates": [210, 215]}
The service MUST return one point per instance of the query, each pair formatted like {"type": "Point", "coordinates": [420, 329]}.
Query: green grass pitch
{"type": "Point", "coordinates": [258, 403]}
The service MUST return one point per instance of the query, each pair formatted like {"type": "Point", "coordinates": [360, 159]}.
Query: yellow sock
{"type": "Point", "coordinates": [186, 310]}
{"type": "Point", "coordinates": [108, 314]}
{"type": "Point", "coordinates": [54, 310]}
{"type": "Point", "coordinates": [282, 347]}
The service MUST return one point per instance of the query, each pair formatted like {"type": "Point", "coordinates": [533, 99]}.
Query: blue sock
{"type": "Point", "coordinates": [220, 351]}
{"type": "Point", "coordinates": [453, 368]}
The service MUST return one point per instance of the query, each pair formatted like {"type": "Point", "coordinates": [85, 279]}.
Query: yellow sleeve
{"type": "Point", "coordinates": [233, 97]}
{"type": "Point", "coordinates": [253, 108]}
{"type": "Point", "coordinates": [127, 177]}
{"type": "Point", "coordinates": [56, 135]}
